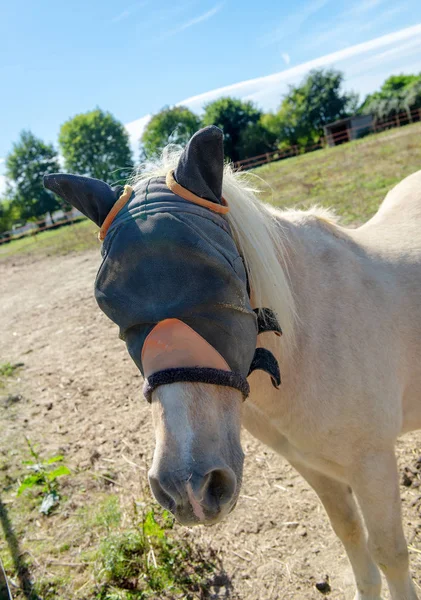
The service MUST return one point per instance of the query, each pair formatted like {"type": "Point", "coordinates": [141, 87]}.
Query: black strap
{"type": "Point", "coordinates": [195, 375]}
{"type": "Point", "coordinates": [264, 360]}
{"type": "Point", "coordinates": [267, 321]}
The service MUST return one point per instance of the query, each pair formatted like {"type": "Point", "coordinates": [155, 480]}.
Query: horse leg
{"type": "Point", "coordinates": [376, 486]}
{"type": "Point", "coordinates": [339, 503]}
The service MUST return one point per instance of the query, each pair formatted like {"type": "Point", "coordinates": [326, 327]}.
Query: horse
{"type": "Point", "coordinates": [348, 306]}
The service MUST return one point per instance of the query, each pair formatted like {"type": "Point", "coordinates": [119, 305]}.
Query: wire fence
{"type": "Point", "coordinates": [346, 134]}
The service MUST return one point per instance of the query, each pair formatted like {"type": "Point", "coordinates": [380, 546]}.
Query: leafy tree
{"type": "Point", "coordinates": [170, 126]}
{"type": "Point", "coordinates": [395, 83]}
{"type": "Point", "coordinates": [398, 94]}
{"type": "Point", "coordinates": [308, 107]}
{"type": "Point", "coordinates": [97, 145]}
{"type": "Point", "coordinates": [294, 126]}
{"type": "Point", "coordinates": [256, 139]}
{"type": "Point", "coordinates": [9, 214]}
{"type": "Point", "coordinates": [243, 130]}
{"type": "Point", "coordinates": [29, 160]}
{"type": "Point", "coordinates": [413, 94]}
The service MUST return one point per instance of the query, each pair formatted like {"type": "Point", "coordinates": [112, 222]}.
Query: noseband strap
{"type": "Point", "coordinates": [196, 375]}
{"type": "Point", "coordinates": [263, 359]}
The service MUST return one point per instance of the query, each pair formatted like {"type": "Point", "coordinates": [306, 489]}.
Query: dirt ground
{"type": "Point", "coordinates": [81, 394]}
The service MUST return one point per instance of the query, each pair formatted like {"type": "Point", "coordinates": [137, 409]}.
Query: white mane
{"type": "Point", "coordinates": [256, 232]}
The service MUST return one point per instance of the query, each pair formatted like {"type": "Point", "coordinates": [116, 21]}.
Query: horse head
{"type": "Point", "coordinates": [173, 280]}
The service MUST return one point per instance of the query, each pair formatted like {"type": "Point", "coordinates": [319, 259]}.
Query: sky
{"type": "Point", "coordinates": [58, 59]}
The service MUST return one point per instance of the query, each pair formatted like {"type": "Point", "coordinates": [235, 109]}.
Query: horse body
{"type": "Point", "coordinates": [348, 301]}
{"type": "Point", "coordinates": [351, 381]}
{"type": "Point", "coordinates": [355, 363]}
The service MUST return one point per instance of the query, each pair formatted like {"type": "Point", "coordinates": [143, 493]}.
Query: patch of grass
{"type": "Point", "coordinates": [147, 562]}
{"type": "Point", "coordinates": [7, 370]}
{"type": "Point", "coordinates": [108, 516]}
{"type": "Point", "coordinates": [353, 178]}
{"type": "Point", "coordinates": [100, 546]}
{"type": "Point", "coordinates": [72, 238]}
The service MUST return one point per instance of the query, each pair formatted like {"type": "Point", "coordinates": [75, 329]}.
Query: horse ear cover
{"type": "Point", "coordinates": [93, 197]}
{"type": "Point", "coordinates": [201, 165]}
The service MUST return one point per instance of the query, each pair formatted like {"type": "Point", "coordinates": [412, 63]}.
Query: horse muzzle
{"type": "Point", "coordinates": [196, 499]}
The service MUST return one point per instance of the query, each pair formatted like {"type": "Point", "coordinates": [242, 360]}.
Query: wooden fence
{"type": "Point", "coordinates": [399, 120]}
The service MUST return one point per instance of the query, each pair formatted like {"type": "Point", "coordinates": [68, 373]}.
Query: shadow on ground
{"type": "Point", "coordinates": [20, 565]}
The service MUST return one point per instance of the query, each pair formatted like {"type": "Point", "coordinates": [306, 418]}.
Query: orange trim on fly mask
{"type": "Point", "coordinates": [173, 344]}
{"type": "Point", "coordinates": [121, 202]}
{"type": "Point", "coordinates": [178, 189]}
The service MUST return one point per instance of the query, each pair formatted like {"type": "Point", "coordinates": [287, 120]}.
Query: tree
{"type": "Point", "coordinates": [29, 160]}
{"type": "Point", "coordinates": [398, 94]}
{"type": "Point", "coordinates": [9, 214]}
{"type": "Point", "coordinates": [396, 83]}
{"type": "Point", "coordinates": [244, 133]}
{"type": "Point", "coordinates": [308, 107]}
{"type": "Point", "coordinates": [256, 139]}
{"type": "Point", "coordinates": [170, 126]}
{"type": "Point", "coordinates": [97, 145]}
{"type": "Point", "coordinates": [413, 94]}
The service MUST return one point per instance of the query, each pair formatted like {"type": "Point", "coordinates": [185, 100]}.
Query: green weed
{"type": "Point", "coordinates": [146, 561]}
{"type": "Point", "coordinates": [44, 476]}
{"type": "Point", "coordinates": [7, 370]}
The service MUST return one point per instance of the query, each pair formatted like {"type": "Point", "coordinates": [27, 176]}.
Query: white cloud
{"type": "Point", "coordinates": [123, 15]}
{"type": "Point", "coordinates": [351, 20]}
{"type": "Point", "coordinates": [286, 58]}
{"type": "Point", "coordinates": [195, 21]}
{"type": "Point", "coordinates": [391, 55]}
{"type": "Point", "coordinates": [293, 22]}
{"type": "Point", "coordinates": [377, 59]}
{"type": "Point", "coordinates": [135, 130]}
{"type": "Point", "coordinates": [265, 86]}
{"type": "Point", "coordinates": [365, 74]}
{"type": "Point", "coordinates": [363, 7]}
{"type": "Point", "coordinates": [128, 11]}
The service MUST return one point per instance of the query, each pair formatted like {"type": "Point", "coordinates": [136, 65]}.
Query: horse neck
{"type": "Point", "coordinates": [309, 245]}
{"type": "Point", "coordinates": [299, 235]}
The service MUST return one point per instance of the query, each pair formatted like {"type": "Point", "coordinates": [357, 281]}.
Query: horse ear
{"type": "Point", "coordinates": [93, 197]}
{"type": "Point", "coordinates": [201, 165]}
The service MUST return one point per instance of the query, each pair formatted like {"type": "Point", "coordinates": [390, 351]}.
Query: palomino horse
{"type": "Point", "coordinates": [349, 305]}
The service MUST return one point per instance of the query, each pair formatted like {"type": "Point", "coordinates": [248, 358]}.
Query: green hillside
{"type": "Point", "coordinates": [352, 178]}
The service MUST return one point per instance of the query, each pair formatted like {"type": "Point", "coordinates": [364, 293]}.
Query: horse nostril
{"type": "Point", "coordinates": [218, 487]}
{"type": "Point", "coordinates": [165, 499]}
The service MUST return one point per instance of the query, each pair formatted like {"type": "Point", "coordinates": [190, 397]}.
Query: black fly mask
{"type": "Point", "coordinates": [172, 277]}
